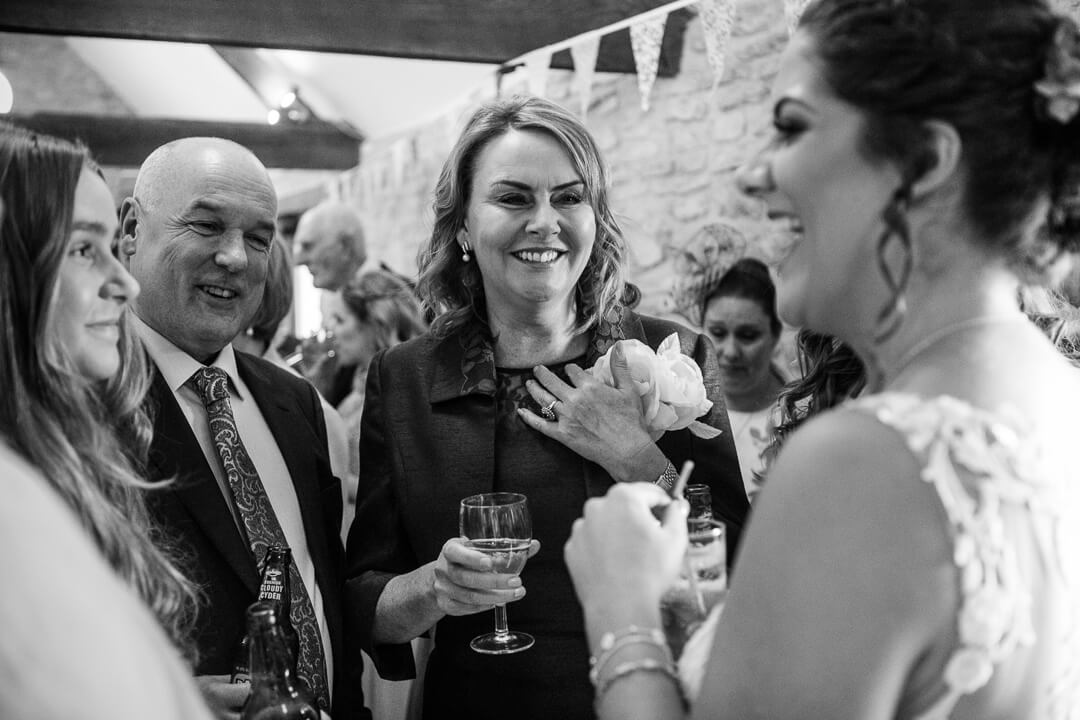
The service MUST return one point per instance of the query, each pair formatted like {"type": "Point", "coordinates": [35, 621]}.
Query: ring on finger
{"type": "Point", "coordinates": [548, 411]}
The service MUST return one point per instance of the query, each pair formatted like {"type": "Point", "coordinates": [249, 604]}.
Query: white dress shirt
{"type": "Point", "coordinates": [177, 367]}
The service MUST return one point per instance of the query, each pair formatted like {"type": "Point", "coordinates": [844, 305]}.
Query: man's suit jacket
{"type": "Point", "coordinates": [196, 516]}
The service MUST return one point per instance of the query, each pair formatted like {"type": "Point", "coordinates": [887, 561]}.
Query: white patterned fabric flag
{"type": "Point", "coordinates": [717, 20]}
{"type": "Point", "coordinates": [793, 10]}
{"type": "Point", "coordinates": [536, 69]}
{"type": "Point", "coordinates": [646, 39]}
{"type": "Point", "coordinates": [584, 53]}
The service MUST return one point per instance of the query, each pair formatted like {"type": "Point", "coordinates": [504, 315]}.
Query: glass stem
{"type": "Point", "coordinates": [500, 621]}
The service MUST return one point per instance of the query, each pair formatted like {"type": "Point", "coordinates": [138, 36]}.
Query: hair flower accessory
{"type": "Point", "coordinates": [670, 384]}
{"type": "Point", "coordinates": [1060, 88]}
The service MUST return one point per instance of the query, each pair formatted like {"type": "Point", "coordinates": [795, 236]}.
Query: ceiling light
{"type": "Point", "coordinates": [272, 117]}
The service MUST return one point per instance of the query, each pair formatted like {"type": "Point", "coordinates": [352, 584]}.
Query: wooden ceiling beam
{"type": "Point", "coordinates": [487, 31]}
{"type": "Point", "coordinates": [127, 141]}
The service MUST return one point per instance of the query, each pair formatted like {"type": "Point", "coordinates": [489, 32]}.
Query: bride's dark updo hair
{"type": "Point", "coordinates": [998, 71]}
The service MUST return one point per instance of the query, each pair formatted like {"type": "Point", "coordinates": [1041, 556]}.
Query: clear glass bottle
{"type": "Point", "coordinates": [700, 499]}
{"type": "Point", "coordinates": [276, 690]}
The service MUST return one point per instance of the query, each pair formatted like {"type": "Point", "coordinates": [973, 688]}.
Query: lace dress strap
{"type": "Point", "coordinates": [978, 463]}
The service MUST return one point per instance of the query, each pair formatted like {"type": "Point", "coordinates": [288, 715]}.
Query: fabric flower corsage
{"type": "Point", "coordinates": [1060, 88]}
{"type": "Point", "coordinates": [670, 384]}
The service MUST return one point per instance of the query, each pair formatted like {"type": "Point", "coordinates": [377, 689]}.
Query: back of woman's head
{"type": "Point", "coordinates": [974, 64]}
{"type": "Point", "coordinates": [89, 438]}
{"type": "Point", "coordinates": [749, 279]}
{"type": "Point", "coordinates": [452, 288]}
{"type": "Point", "coordinates": [277, 295]}
{"type": "Point", "coordinates": [384, 302]}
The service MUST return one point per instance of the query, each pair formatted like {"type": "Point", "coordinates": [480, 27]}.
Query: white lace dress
{"type": "Point", "coordinates": [983, 465]}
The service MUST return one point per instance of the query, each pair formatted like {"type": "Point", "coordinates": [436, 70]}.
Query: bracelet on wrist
{"type": "Point", "coordinates": [611, 643]}
{"type": "Point", "coordinates": [667, 479]}
{"type": "Point", "coordinates": [626, 669]}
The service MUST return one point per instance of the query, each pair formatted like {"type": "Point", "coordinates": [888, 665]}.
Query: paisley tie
{"type": "Point", "coordinates": [259, 522]}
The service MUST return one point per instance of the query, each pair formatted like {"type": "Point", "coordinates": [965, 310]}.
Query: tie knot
{"type": "Point", "coordinates": [212, 384]}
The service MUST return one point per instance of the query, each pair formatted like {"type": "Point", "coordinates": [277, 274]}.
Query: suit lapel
{"type": "Point", "coordinates": [175, 452]}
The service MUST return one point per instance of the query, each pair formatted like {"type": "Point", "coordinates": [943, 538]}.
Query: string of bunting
{"type": "Point", "coordinates": [646, 41]}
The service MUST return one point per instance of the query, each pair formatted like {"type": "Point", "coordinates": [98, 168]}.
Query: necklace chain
{"type": "Point", "coordinates": [946, 331]}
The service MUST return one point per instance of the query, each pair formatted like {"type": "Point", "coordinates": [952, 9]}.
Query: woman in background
{"type": "Point", "coordinates": [739, 315]}
{"type": "Point", "coordinates": [373, 312]}
{"type": "Point", "coordinates": [73, 382]}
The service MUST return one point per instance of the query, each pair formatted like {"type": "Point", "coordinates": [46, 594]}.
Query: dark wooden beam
{"type": "Point", "coordinates": [126, 141]}
{"type": "Point", "coordinates": [488, 31]}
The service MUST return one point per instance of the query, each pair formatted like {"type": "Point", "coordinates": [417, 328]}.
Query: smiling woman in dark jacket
{"type": "Point", "coordinates": [525, 268]}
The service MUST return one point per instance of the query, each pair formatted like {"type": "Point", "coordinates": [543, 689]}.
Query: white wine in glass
{"type": "Point", "coordinates": [498, 524]}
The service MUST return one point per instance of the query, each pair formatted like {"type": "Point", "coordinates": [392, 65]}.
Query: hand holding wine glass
{"type": "Point", "coordinates": [499, 525]}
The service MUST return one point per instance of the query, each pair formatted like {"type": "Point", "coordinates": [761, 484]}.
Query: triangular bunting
{"type": "Point", "coordinates": [646, 39]}
{"type": "Point", "coordinates": [717, 20]}
{"type": "Point", "coordinates": [584, 53]}
{"type": "Point", "coordinates": [793, 10]}
{"type": "Point", "coordinates": [536, 69]}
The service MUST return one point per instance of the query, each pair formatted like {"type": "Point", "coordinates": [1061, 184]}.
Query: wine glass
{"type": "Point", "coordinates": [498, 524]}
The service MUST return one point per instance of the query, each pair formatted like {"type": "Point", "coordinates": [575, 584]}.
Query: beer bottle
{"type": "Point", "coordinates": [274, 587]}
{"type": "Point", "coordinates": [276, 691]}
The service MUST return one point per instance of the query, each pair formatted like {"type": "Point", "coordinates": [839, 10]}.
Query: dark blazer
{"type": "Point", "coordinates": [194, 513]}
{"type": "Point", "coordinates": [427, 440]}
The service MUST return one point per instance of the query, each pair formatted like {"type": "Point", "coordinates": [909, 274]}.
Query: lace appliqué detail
{"type": "Point", "coordinates": [956, 441]}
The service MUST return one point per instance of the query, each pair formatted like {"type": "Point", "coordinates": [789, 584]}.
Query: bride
{"type": "Point", "coordinates": [915, 553]}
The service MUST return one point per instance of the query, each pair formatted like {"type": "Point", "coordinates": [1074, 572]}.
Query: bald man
{"type": "Point", "coordinates": [197, 235]}
{"type": "Point", "coordinates": [329, 241]}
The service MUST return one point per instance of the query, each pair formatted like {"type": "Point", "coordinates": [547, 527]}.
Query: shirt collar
{"type": "Point", "coordinates": [175, 365]}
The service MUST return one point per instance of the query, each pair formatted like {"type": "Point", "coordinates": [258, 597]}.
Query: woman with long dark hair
{"type": "Point", "coordinates": [914, 553]}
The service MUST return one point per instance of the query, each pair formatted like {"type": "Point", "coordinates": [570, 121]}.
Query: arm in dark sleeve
{"type": "Point", "coordinates": [378, 548]}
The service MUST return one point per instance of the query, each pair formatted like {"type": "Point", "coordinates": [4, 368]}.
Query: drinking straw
{"type": "Point", "coordinates": [684, 475]}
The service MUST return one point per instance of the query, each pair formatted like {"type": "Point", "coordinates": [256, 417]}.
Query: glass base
{"type": "Point", "coordinates": [504, 644]}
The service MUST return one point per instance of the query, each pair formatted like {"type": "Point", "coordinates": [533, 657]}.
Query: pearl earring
{"type": "Point", "coordinates": [465, 257]}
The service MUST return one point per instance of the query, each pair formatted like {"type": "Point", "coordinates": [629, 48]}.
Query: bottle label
{"type": "Point", "coordinates": [273, 584]}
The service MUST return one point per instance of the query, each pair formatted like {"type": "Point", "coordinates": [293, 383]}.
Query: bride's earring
{"type": "Point", "coordinates": [465, 257]}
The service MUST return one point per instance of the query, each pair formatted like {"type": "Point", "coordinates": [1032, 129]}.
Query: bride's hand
{"type": "Point", "coordinates": [619, 556]}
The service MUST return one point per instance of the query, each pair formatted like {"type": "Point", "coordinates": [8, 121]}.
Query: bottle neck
{"type": "Point", "coordinates": [272, 664]}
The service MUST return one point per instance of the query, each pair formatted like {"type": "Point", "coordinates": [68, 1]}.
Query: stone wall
{"type": "Point", "coordinates": [671, 167]}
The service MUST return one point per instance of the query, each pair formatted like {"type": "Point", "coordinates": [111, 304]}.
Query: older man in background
{"type": "Point", "coordinates": [329, 241]}
{"type": "Point", "coordinates": [245, 440]}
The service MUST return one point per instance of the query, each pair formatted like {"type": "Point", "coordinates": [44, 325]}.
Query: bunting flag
{"type": "Point", "coordinates": [793, 10]}
{"type": "Point", "coordinates": [717, 20]}
{"type": "Point", "coordinates": [584, 53]}
{"type": "Point", "coordinates": [536, 70]}
{"type": "Point", "coordinates": [646, 39]}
